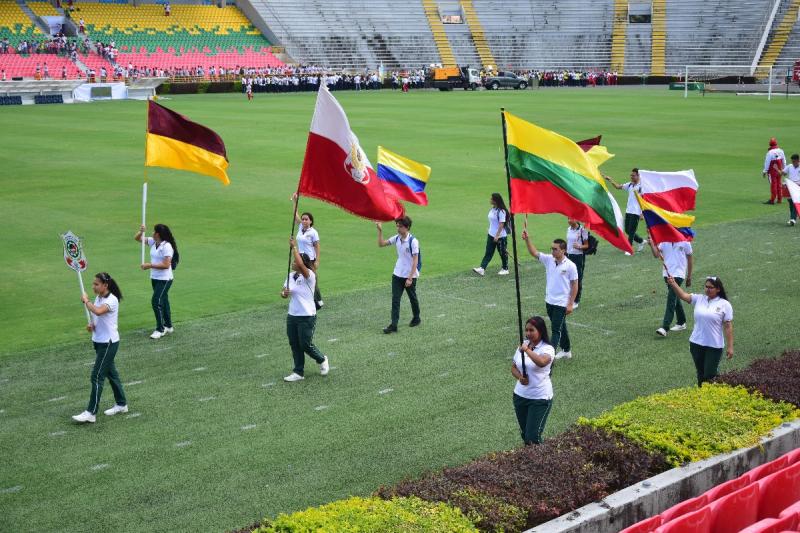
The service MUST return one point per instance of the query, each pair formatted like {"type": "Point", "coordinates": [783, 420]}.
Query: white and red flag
{"type": "Point", "coordinates": [673, 191]}
{"type": "Point", "coordinates": [336, 169]}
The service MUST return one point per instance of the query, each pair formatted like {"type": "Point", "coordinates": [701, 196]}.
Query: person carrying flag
{"type": "Point", "coordinates": [562, 288]}
{"type": "Point", "coordinates": [774, 163]}
{"type": "Point", "coordinates": [164, 258]}
{"type": "Point", "coordinates": [533, 391]}
{"type": "Point", "coordinates": [633, 213]}
{"type": "Point", "coordinates": [678, 262]}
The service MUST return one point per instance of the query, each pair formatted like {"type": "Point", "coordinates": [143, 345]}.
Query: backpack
{"type": "Point", "coordinates": [593, 242]}
{"type": "Point", "coordinates": [419, 255]}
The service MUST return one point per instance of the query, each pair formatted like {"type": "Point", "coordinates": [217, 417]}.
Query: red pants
{"type": "Point", "coordinates": [775, 192]}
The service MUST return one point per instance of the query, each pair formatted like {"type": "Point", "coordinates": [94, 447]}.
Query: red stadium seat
{"type": "Point", "coordinates": [723, 489]}
{"type": "Point", "coordinates": [764, 470]}
{"type": "Point", "coordinates": [779, 491]}
{"type": "Point", "coordinates": [772, 525]}
{"type": "Point", "coordinates": [694, 522]}
{"type": "Point", "coordinates": [645, 526]}
{"type": "Point", "coordinates": [792, 510]}
{"type": "Point", "coordinates": [793, 456]}
{"type": "Point", "coordinates": [686, 506]}
{"type": "Point", "coordinates": [736, 511]}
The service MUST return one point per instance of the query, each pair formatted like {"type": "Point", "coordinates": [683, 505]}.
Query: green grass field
{"type": "Point", "coordinates": [217, 440]}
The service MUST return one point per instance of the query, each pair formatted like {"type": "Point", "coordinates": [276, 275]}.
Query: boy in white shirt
{"type": "Point", "coordinates": [677, 256]}
{"type": "Point", "coordinates": [633, 211]}
{"type": "Point", "coordinates": [562, 288]}
{"type": "Point", "coordinates": [406, 271]}
{"type": "Point", "coordinates": [792, 173]}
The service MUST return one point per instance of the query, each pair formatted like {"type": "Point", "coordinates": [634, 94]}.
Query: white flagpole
{"type": "Point", "coordinates": [80, 282]}
{"type": "Point", "coordinates": [144, 211]}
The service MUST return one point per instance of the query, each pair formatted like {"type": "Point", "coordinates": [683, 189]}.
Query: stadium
{"type": "Point", "coordinates": [575, 367]}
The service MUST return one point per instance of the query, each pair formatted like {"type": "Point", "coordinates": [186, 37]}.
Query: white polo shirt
{"type": "Point", "coordinates": [575, 239]}
{"type": "Point", "coordinates": [676, 258]}
{"type": "Point", "coordinates": [301, 299]}
{"type": "Point", "coordinates": [793, 173]}
{"type": "Point", "coordinates": [539, 386]}
{"type": "Point", "coordinates": [305, 241]}
{"type": "Point", "coordinates": [496, 216]}
{"type": "Point", "coordinates": [709, 315]}
{"type": "Point", "coordinates": [559, 277]}
{"type": "Point", "coordinates": [402, 268]}
{"type": "Point", "coordinates": [157, 255]}
{"type": "Point", "coordinates": [633, 206]}
{"type": "Point", "coordinates": [105, 326]}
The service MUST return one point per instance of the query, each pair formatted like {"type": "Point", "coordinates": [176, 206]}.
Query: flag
{"type": "Point", "coordinates": [552, 174]}
{"type": "Point", "coordinates": [174, 141]}
{"type": "Point", "coordinates": [403, 178]}
{"type": "Point", "coordinates": [598, 153]}
{"type": "Point", "coordinates": [336, 169]}
{"type": "Point", "coordinates": [666, 226]}
{"type": "Point", "coordinates": [794, 193]}
{"type": "Point", "coordinates": [673, 191]}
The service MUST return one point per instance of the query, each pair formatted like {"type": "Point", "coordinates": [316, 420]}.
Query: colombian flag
{"type": "Point", "coordinates": [666, 226]}
{"type": "Point", "coordinates": [403, 178]}
{"type": "Point", "coordinates": [174, 141]}
{"type": "Point", "coordinates": [552, 174]}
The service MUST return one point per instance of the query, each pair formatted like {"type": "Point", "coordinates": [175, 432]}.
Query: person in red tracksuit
{"type": "Point", "coordinates": [774, 164]}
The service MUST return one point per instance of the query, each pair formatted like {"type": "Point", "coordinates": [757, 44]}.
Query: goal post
{"type": "Point", "coordinates": [741, 79]}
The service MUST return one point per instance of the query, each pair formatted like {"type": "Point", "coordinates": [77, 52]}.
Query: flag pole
{"type": "Point", "coordinates": [650, 234]}
{"type": "Point", "coordinates": [86, 309]}
{"type": "Point", "coordinates": [144, 186]}
{"type": "Point", "coordinates": [291, 232]}
{"type": "Point", "coordinates": [513, 236]}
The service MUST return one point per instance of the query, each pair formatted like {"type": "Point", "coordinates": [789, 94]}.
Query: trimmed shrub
{"type": "Point", "coordinates": [694, 423]}
{"type": "Point", "coordinates": [777, 379]}
{"type": "Point", "coordinates": [513, 490]}
{"type": "Point", "coordinates": [164, 88]}
{"type": "Point", "coordinates": [373, 515]}
{"type": "Point", "coordinates": [202, 87]}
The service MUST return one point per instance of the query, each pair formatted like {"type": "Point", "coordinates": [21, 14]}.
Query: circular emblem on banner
{"type": "Point", "coordinates": [356, 165]}
{"type": "Point", "coordinates": [73, 249]}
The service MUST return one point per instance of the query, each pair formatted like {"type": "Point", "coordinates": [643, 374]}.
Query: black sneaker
{"type": "Point", "coordinates": [390, 329]}
{"type": "Point", "coordinates": [414, 322]}
{"type": "Point", "coordinates": [769, 202]}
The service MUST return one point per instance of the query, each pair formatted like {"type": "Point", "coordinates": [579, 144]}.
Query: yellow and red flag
{"type": "Point", "coordinates": [174, 141]}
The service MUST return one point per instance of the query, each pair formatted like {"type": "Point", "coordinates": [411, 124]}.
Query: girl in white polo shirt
{"type": "Point", "coordinates": [308, 243]}
{"type": "Point", "coordinates": [302, 317]}
{"type": "Point", "coordinates": [533, 393]}
{"type": "Point", "coordinates": [713, 326]}
{"type": "Point", "coordinates": [164, 258]}
{"type": "Point", "coordinates": [497, 237]}
{"type": "Point", "coordinates": [105, 338]}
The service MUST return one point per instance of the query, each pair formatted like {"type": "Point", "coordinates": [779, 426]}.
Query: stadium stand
{"type": "Point", "coordinates": [784, 44]}
{"type": "Point", "coordinates": [193, 35]}
{"type": "Point", "coordinates": [17, 65]}
{"type": "Point", "coordinates": [16, 25]}
{"type": "Point", "coordinates": [352, 33]}
{"type": "Point", "coordinates": [42, 8]}
{"type": "Point", "coordinates": [763, 500]}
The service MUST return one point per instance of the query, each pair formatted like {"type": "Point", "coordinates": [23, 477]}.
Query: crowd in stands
{"type": "Point", "coordinates": [58, 44]}
{"type": "Point", "coordinates": [573, 78]}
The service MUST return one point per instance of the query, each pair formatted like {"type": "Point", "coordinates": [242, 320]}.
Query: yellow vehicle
{"type": "Point", "coordinates": [449, 78]}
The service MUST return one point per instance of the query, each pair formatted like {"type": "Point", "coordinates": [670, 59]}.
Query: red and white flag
{"type": "Point", "coordinates": [673, 191]}
{"type": "Point", "coordinates": [794, 192]}
{"type": "Point", "coordinates": [337, 170]}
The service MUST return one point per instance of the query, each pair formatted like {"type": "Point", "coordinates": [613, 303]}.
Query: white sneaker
{"type": "Point", "coordinates": [792, 222]}
{"type": "Point", "coordinates": [678, 327]}
{"type": "Point", "coordinates": [662, 332]}
{"type": "Point", "coordinates": [564, 355]}
{"type": "Point", "coordinates": [628, 253]}
{"type": "Point", "coordinates": [85, 416]}
{"type": "Point", "coordinates": [324, 367]}
{"type": "Point", "coordinates": [156, 334]}
{"type": "Point", "coordinates": [293, 377]}
{"type": "Point", "coordinates": [503, 272]}
{"type": "Point", "coordinates": [116, 409]}
{"type": "Point", "coordinates": [479, 271]}
{"type": "Point", "coordinates": [169, 330]}
{"type": "Point", "coordinates": [641, 245]}
{"type": "Point", "coordinates": [575, 306]}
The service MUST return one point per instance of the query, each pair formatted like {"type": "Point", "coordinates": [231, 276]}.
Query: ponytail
{"type": "Point", "coordinates": [111, 283]}
{"type": "Point", "coordinates": [166, 235]}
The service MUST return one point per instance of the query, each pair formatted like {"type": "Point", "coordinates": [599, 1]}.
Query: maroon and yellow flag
{"type": "Point", "coordinates": [174, 141]}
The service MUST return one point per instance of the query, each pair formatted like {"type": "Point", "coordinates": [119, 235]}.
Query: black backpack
{"type": "Point", "coordinates": [593, 242]}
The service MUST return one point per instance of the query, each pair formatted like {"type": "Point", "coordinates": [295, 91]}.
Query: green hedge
{"type": "Point", "coordinates": [373, 515]}
{"type": "Point", "coordinates": [695, 423]}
